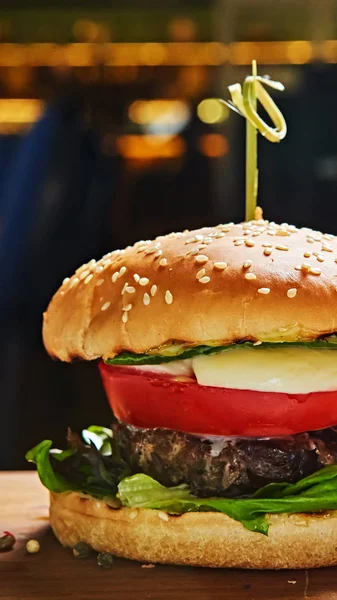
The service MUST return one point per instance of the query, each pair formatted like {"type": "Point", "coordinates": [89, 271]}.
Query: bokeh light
{"type": "Point", "coordinates": [182, 29]}
{"type": "Point", "coordinates": [212, 111]}
{"type": "Point", "coordinates": [149, 147]}
{"type": "Point", "coordinates": [213, 145]}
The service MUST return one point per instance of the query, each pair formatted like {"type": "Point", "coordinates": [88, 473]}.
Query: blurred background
{"type": "Point", "coordinates": [110, 132]}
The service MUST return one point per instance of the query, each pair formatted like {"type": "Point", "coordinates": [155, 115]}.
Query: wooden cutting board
{"type": "Point", "coordinates": [54, 574]}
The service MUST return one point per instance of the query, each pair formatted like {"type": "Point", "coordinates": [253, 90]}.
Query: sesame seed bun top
{"type": "Point", "coordinates": [252, 281]}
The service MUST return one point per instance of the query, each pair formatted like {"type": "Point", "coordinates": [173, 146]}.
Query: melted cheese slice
{"type": "Point", "coordinates": [287, 370]}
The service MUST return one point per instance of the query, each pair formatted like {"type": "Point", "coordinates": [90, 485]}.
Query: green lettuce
{"type": "Point", "coordinates": [315, 493]}
{"type": "Point", "coordinates": [94, 466]}
{"type": "Point", "coordinates": [42, 456]}
{"type": "Point", "coordinates": [181, 351]}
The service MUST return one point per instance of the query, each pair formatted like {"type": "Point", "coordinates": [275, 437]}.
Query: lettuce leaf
{"type": "Point", "coordinates": [41, 455]}
{"type": "Point", "coordinates": [315, 493]}
{"type": "Point", "coordinates": [182, 352]}
{"type": "Point", "coordinates": [94, 466]}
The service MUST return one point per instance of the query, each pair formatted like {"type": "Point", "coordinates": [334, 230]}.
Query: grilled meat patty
{"type": "Point", "coordinates": [220, 466]}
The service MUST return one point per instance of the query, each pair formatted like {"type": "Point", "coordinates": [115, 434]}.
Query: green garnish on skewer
{"type": "Point", "coordinates": [245, 103]}
{"type": "Point", "coordinates": [252, 174]}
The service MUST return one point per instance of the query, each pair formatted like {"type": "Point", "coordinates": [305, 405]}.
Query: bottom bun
{"type": "Point", "coordinates": [207, 539]}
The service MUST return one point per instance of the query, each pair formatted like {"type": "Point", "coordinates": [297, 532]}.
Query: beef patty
{"type": "Point", "coordinates": [220, 466]}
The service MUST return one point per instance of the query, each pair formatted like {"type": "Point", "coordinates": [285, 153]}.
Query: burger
{"type": "Point", "coordinates": [217, 351]}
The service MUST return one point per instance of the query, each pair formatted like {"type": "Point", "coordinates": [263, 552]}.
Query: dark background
{"type": "Point", "coordinates": [104, 140]}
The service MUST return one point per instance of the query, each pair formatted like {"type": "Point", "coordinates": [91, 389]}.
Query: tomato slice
{"type": "Point", "coordinates": [150, 400]}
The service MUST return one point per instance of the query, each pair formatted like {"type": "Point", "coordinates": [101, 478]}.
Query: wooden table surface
{"type": "Point", "coordinates": [54, 574]}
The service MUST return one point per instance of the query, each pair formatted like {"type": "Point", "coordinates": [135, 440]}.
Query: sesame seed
{"type": "Point", "coordinates": [153, 290]}
{"type": "Point", "coordinates": [125, 317]}
{"type": "Point", "coordinates": [92, 263]}
{"type": "Point", "coordinates": [201, 259]}
{"type": "Point", "coordinates": [320, 258]}
{"type": "Point", "coordinates": [202, 246]}
{"type": "Point", "coordinates": [198, 237]}
{"type": "Point", "coordinates": [98, 269]}
{"type": "Point", "coordinates": [257, 343]}
{"type": "Point", "coordinates": [163, 516]}
{"type": "Point", "coordinates": [247, 264]}
{"type": "Point", "coordinates": [291, 293]}
{"type": "Point", "coordinates": [65, 280]}
{"type": "Point", "coordinates": [136, 277]}
{"type": "Point", "coordinates": [124, 288]}
{"type": "Point", "coordinates": [114, 277]}
{"type": "Point", "coordinates": [249, 243]}
{"type": "Point", "coordinates": [310, 240]}
{"type": "Point", "coordinates": [267, 245]}
{"type": "Point", "coordinates": [99, 282]}
{"type": "Point", "coordinates": [239, 243]}
{"type": "Point", "coordinates": [158, 253]}
{"type": "Point", "coordinates": [200, 273]}
{"type": "Point", "coordinates": [74, 282]}
{"type": "Point", "coordinates": [264, 291]}
{"type": "Point", "coordinates": [168, 297]}
{"type": "Point", "coordinates": [267, 251]}
{"type": "Point", "coordinates": [238, 239]}
{"type": "Point", "coordinates": [270, 232]}
{"type": "Point", "coordinates": [151, 250]}
{"type": "Point", "coordinates": [220, 266]}
{"type": "Point", "coordinates": [141, 248]}
{"type": "Point", "coordinates": [146, 299]}
{"type": "Point", "coordinates": [195, 252]}
{"type": "Point", "coordinates": [315, 271]}
{"type": "Point", "coordinates": [281, 247]}
{"type": "Point", "coordinates": [298, 268]}
{"type": "Point", "coordinates": [282, 232]}
{"type": "Point", "coordinates": [84, 266]}
{"type": "Point", "coordinates": [219, 234]}
{"type": "Point", "coordinates": [133, 514]}
{"type": "Point", "coordinates": [327, 249]}
{"type": "Point", "coordinates": [105, 306]}
{"type": "Point", "coordinates": [307, 254]}
{"type": "Point", "coordinates": [122, 271]}
{"type": "Point", "coordinates": [127, 307]}
{"type": "Point", "coordinates": [130, 289]}
{"type": "Point", "coordinates": [204, 279]}
{"type": "Point", "coordinates": [256, 233]}
{"type": "Point", "coordinates": [163, 262]}
{"type": "Point", "coordinates": [89, 278]}
{"type": "Point", "coordinates": [143, 281]}
{"type": "Point", "coordinates": [306, 267]}
{"type": "Point", "coordinates": [335, 260]}
{"type": "Point", "coordinates": [250, 276]}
